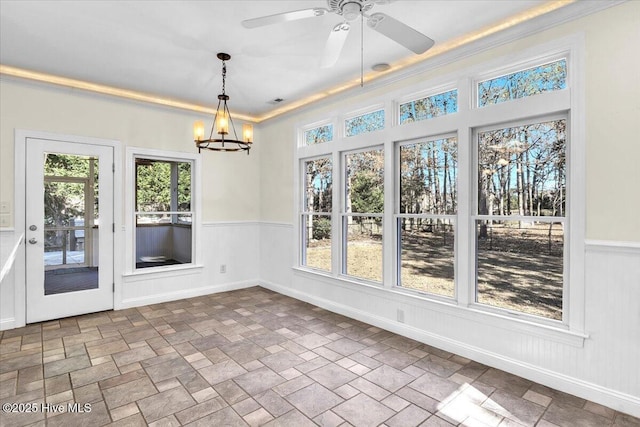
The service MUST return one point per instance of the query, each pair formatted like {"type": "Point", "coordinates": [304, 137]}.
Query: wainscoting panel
{"type": "Point", "coordinates": [10, 244]}
{"type": "Point", "coordinates": [229, 260]}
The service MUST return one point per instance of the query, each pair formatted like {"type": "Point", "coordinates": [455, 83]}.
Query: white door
{"type": "Point", "coordinates": [69, 229]}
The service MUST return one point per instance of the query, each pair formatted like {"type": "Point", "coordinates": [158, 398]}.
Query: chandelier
{"type": "Point", "coordinates": [221, 140]}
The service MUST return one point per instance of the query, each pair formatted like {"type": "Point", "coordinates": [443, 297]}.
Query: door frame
{"type": "Point", "coordinates": [19, 203]}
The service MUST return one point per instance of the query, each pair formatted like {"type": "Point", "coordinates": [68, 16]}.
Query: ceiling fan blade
{"type": "Point", "coordinates": [399, 32]}
{"type": "Point", "coordinates": [284, 17]}
{"type": "Point", "coordinates": [334, 45]}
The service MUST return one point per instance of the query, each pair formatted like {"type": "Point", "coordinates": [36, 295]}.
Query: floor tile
{"type": "Point", "coordinates": [222, 371]}
{"type": "Point", "coordinates": [314, 400]}
{"type": "Point", "coordinates": [353, 411]}
{"type": "Point", "coordinates": [128, 392]}
{"type": "Point", "coordinates": [389, 378]}
{"type": "Point", "coordinates": [255, 382]}
{"type": "Point", "coordinates": [332, 375]}
{"type": "Point", "coordinates": [565, 415]}
{"type": "Point", "coordinates": [166, 403]}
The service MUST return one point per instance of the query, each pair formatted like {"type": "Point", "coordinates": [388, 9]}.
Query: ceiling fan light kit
{"type": "Point", "coordinates": [221, 122]}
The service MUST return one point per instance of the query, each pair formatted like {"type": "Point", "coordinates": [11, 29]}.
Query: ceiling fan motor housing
{"type": "Point", "coordinates": [350, 9]}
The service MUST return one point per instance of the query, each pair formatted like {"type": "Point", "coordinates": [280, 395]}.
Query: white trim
{"type": "Point", "coordinates": [162, 271]}
{"type": "Point", "coordinates": [611, 398]}
{"type": "Point", "coordinates": [7, 264]}
{"type": "Point", "coordinates": [130, 193]}
{"type": "Point", "coordinates": [189, 293]}
{"type": "Point", "coordinates": [230, 223]}
{"type": "Point", "coordinates": [9, 323]}
{"type": "Point", "coordinates": [613, 246]}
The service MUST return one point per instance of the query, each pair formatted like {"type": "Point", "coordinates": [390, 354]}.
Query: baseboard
{"type": "Point", "coordinates": [188, 293]}
{"type": "Point", "coordinates": [611, 398]}
{"type": "Point", "coordinates": [8, 323]}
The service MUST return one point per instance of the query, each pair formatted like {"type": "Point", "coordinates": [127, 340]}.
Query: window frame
{"type": "Point", "coordinates": [134, 153]}
{"type": "Point", "coordinates": [397, 215]}
{"type": "Point", "coordinates": [343, 215]}
{"type": "Point", "coordinates": [303, 213]}
{"type": "Point", "coordinates": [565, 220]}
{"type": "Point", "coordinates": [469, 117]}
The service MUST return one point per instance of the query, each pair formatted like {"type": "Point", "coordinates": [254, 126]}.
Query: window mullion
{"type": "Point", "coordinates": [336, 212]}
{"type": "Point", "coordinates": [464, 250]}
{"type": "Point", "coordinates": [388, 227]}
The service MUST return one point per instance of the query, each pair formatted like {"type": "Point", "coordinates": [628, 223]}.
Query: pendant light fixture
{"type": "Point", "coordinates": [221, 140]}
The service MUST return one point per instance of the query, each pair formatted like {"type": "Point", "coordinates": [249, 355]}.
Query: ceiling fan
{"type": "Point", "coordinates": [350, 10]}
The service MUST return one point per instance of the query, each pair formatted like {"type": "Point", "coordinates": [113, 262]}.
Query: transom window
{"type": "Point", "coordinates": [318, 135]}
{"type": "Point", "coordinates": [364, 123]}
{"type": "Point", "coordinates": [532, 81]}
{"type": "Point", "coordinates": [429, 107]}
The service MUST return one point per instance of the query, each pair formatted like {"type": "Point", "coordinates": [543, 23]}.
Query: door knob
{"type": "Point", "coordinates": [33, 241]}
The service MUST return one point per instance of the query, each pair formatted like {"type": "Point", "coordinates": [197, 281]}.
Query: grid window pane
{"type": "Point", "coordinates": [429, 107]}
{"type": "Point", "coordinates": [365, 181]}
{"type": "Point", "coordinates": [317, 241]}
{"type": "Point", "coordinates": [522, 170]}
{"type": "Point", "coordinates": [427, 255]}
{"type": "Point", "coordinates": [318, 185]}
{"type": "Point", "coordinates": [532, 81]}
{"type": "Point", "coordinates": [520, 266]}
{"type": "Point", "coordinates": [365, 123]}
{"type": "Point", "coordinates": [428, 177]}
{"type": "Point", "coordinates": [363, 248]}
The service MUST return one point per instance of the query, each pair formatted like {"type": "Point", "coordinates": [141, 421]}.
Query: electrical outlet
{"type": "Point", "coordinates": [5, 207]}
{"type": "Point", "coordinates": [5, 220]}
{"type": "Point", "coordinates": [223, 268]}
{"type": "Point", "coordinates": [400, 316]}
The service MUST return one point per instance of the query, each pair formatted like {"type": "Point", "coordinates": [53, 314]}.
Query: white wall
{"type": "Point", "coordinates": [603, 366]}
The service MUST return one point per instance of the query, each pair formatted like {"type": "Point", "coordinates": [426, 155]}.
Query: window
{"type": "Point", "coordinates": [478, 211]}
{"type": "Point", "coordinates": [429, 107]}
{"type": "Point", "coordinates": [364, 123]}
{"type": "Point", "coordinates": [532, 81]}
{"type": "Point", "coordinates": [520, 217]}
{"type": "Point", "coordinates": [316, 216]}
{"type": "Point", "coordinates": [318, 135]}
{"type": "Point", "coordinates": [427, 207]}
{"type": "Point", "coordinates": [163, 212]}
{"type": "Point", "coordinates": [362, 215]}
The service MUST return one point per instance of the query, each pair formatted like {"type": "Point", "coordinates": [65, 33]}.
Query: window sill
{"type": "Point", "coordinates": [474, 313]}
{"type": "Point", "coordinates": [164, 271]}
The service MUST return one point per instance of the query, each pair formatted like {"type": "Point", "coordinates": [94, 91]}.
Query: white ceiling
{"type": "Point", "coordinates": [168, 48]}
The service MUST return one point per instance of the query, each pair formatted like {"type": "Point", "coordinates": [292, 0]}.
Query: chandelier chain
{"type": "Point", "coordinates": [224, 76]}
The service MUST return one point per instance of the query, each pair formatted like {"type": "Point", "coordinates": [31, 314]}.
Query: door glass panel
{"type": "Point", "coordinates": [70, 223]}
